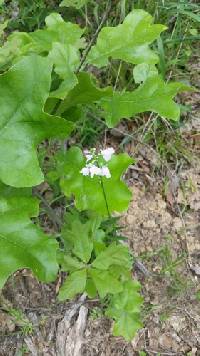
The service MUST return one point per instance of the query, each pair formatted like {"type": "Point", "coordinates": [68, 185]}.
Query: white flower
{"type": "Point", "coordinates": [107, 153]}
{"type": "Point", "coordinates": [105, 172]}
{"type": "Point", "coordinates": [85, 171]}
{"type": "Point", "coordinates": [88, 157]}
{"type": "Point", "coordinates": [89, 154]}
{"type": "Point", "coordinates": [95, 171]}
{"type": "Point", "coordinates": [92, 170]}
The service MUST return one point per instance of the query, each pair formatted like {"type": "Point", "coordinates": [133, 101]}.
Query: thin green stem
{"type": "Point", "coordinates": [104, 194]}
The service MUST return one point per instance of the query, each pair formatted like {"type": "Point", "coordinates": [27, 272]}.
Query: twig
{"type": "Point", "coordinates": [104, 18]}
{"type": "Point", "coordinates": [55, 219]}
{"type": "Point", "coordinates": [139, 265]}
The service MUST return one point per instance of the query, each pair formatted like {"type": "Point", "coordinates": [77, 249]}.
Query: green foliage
{"type": "Point", "coordinates": [57, 30]}
{"type": "Point", "coordinates": [66, 60]}
{"type": "Point", "coordinates": [101, 274]}
{"type": "Point", "coordinates": [106, 272]}
{"type": "Point", "coordinates": [183, 31]}
{"type": "Point", "coordinates": [20, 319]}
{"type": "Point", "coordinates": [153, 95]}
{"type": "Point", "coordinates": [22, 244]}
{"type": "Point", "coordinates": [96, 313]}
{"type": "Point", "coordinates": [198, 295]}
{"type": "Point", "coordinates": [23, 122]}
{"type": "Point", "coordinates": [74, 3]}
{"type": "Point", "coordinates": [128, 41]}
{"type": "Point", "coordinates": [143, 71]}
{"type": "Point", "coordinates": [82, 246]}
{"type": "Point", "coordinates": [125, 310]}
{"type": "Point", "coordinates": [74, 284]}
{"type": "Point", "coordinates": [60, 40]}
{"type": "Point", "coordinates": [58, 34]}
{"type": "Point", "coordinates": [142, 353]}
{"type": "Point", "coordinates": [26, 15]}
{"type": "Point", "coordinates": [40, 77]}
{"type": "Point", "coordinates": [113, 255]}
{"type": "Point", "coordinates": [84, 93]}
{"type": "Point", "coordinates": [90, 192]}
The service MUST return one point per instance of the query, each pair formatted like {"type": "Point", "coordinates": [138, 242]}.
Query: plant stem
{"type": "Point", "coordinates": [104, 18]}
{"type": "Point", "coordinates": [104, 194]}
{"type": "Point", "coordinates": [87, 50]}
{"type": "Point", "coordinates": [55, 219]}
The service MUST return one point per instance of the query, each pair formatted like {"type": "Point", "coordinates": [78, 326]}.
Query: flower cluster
{"type": "Point", "coordinates": [92, 170]}
{"type": "Point", "coordinates": [96, 163]}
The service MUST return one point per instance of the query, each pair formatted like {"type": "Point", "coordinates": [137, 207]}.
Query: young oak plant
{"type": "Point", "coordinates": [96, 268]}
{"type": "Point", "coordinates": [42, 91]}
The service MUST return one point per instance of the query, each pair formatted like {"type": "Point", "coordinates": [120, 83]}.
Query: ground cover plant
{"type": "Point", "coordinates": [47, 86]}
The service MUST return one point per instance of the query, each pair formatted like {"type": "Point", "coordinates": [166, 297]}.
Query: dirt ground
{"type": "Point", "coordinates": [162, 227]}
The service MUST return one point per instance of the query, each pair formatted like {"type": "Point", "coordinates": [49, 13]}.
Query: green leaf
{"type": "Point", "coordinates": [15, 47]}
{"type": "Point", "coordinates": [125, 310]}
{"type": "Point", "coordinates": [105, 282]}
{"type": "Point", "coordinates": [127, 325]}
{"type": "Point", "coordinates": [42, 41]}
{"type": "Point", "coordinates": [119, 271]}
{"type": "Point", "coordinates": [65, 86]}
{"type": "Point", "coordinates": [23, 123]}
{"type": "Point", "coordinates": [11, 195]}
{"type": "Point", "coordinates": [70, 264]}
{"type": "Point", "coordinates": [54, 19]}
{"type": "Point", "coordinates": [66, 60]}
{"type": "Point", "coordinates": [78, 234]}
{"type": "Point", "coordinates": [90, 288]}
{"type": "Point", "coordinates": [143, 71]}
{"type": "Point", "coordinates": [99, 244]}
{"type": "Point", "coordinates": [88, 191]}
{"type": "Point", "coordinates": [74, 284]}
{"type": "Point", "coordinates": [74, 3]}
{"type": "Point", "coordinates": [128, 41]}
{"type": "Point", "coordinates": [85, 92]}
{"type": "Point", "coordinates": [62, 40]}
{"type": "Point", "coordinates": [153, 95]}
{"type": "Point", "coordinates": [129, 299]}
{"type": "Point", "coordinates": [23, 244]}
{"type": "Point", "coordinates": [113, 255]}
{"type": "Point", "coordinates": [57, 30]}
